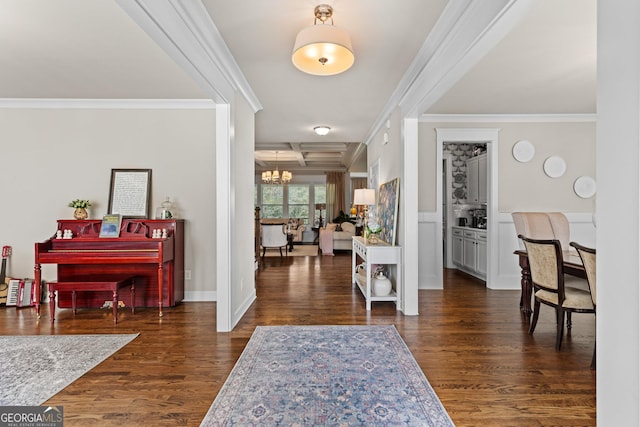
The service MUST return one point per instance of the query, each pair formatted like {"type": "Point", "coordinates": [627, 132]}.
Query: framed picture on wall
{"type": "Point", "coordinates": [130, 193]}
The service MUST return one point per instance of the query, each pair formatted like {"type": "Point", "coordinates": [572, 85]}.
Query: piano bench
{"type": "Point", "coordinates": [82, 286]}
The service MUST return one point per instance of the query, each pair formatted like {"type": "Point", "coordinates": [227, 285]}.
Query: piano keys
{"type": "Point", "coordinates": [157, 263]}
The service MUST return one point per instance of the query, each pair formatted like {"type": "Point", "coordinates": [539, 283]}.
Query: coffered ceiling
{"type": "Point", "coordinates": [78, 49]}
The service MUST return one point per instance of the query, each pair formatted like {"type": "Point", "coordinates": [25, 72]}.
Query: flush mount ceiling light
{"type": "Point", "coordinates": [322, 130]}
{"type": "Point", "coordinates": [323, 49]}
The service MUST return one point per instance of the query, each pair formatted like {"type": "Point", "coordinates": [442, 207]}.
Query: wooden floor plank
{"type": "Point", "coordinates": [472, 344]}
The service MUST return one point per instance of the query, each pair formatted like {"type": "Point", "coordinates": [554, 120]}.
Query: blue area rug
{"type": "Point", "coordinates": [326, 375]}
{"type": "Point", "coordinates": [36, 367]}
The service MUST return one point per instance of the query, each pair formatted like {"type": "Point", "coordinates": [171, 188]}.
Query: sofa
{"type": "Point", "coordinates": [331, 239]}
{"type": "Point", "coordinates": [295, 226]}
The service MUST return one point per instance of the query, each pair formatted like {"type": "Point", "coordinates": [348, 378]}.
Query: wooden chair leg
{"type": "Point", "coordinates": [133, 296]}
{"type": "Point", "coordinates": [568, 321]}
{"type": "Point", "coordinates": [74, 302]}
{"type": "Point", "coordinates": [534, 318]}
{"type": "Point", "coordinates": [560, 327]}
{"type": "Point", "coordinates": [115, 306]}
{"type": "Point", "coordinates": [52, 302]}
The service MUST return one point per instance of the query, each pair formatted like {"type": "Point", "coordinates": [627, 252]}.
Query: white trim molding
{"type": "Point", "coordinates": [508, 118]}
{"type": "Point", "coordinates": [106, 104]}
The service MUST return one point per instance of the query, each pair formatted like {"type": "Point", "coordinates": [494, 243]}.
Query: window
{"type": "Point", "coordinates": [290, 201]}
{"type": "Point", "coordinates": [298, 198]}
{"type": "Point", "coordinates": [272, 201]}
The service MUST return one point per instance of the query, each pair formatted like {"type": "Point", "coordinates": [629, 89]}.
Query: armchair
{"type": "Point", "coordinates": [296, 227]}
{"type": "Point", "coordinates": [552, 287]}
{"type": "Point", "coordinates": [273, 236]}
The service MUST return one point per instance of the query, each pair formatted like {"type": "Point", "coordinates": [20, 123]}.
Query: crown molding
{"type": "Point", "coordinates": [106, 104]}
{"type": "Point", "coordinates": [463, 34]}
{"type": "Point", "coordinates": [507, 118]}
{"type": "Point", "coordinates": [186, 32]}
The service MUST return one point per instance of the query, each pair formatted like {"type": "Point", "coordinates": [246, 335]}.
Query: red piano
{"type": "Point", "coordinates": [156, 262]}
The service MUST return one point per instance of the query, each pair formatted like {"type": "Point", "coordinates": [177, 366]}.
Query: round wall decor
{"type": "Point", "coordinates": [585, 187]}
{"type": "Point", "coordinates": [554, 166]}
{"type": "Point", "coordinates": [523, 151]}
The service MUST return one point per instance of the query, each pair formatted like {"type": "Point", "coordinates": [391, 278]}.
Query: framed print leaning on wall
{"type": "Point", "coordinates": [388, 210]}
{"type": "Point", "coordinates": [130, 192]}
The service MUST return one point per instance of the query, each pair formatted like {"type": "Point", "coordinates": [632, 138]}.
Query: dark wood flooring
{"type": "Point", "coordinates": [471, 343]}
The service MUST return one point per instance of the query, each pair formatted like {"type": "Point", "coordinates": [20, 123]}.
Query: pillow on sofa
{"type": "Point", "coordinates": [331, 227]}
{"type": "Point", "coordinates": [348, 227]}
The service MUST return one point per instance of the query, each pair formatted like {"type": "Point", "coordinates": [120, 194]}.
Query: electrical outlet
{"type": "Point", "coordinates": [187, 275]}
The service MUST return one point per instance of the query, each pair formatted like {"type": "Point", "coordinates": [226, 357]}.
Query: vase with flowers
{"type": "Point", "coordinates": [80, 207]}
{"type": "Point", "coordinates": [372, 231]}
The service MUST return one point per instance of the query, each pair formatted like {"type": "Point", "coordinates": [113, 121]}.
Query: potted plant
{"type": "Point", "coordinates": [80, 208]}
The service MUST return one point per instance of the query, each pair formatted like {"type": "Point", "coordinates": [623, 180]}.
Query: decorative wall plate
{"type": "Point", "coordinates": [523, 151]}
{"type": "Point", "coordinates": [585, 187]}
{"type": "Point", "coordinates": [555, 166]}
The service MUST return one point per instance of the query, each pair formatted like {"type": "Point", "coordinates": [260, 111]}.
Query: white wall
{"type": "Point", "coordinates": [243, 291]}
{"type": "Point", "coordinates": [521, 187]}
{"type": "Point", "coordinates": [52, 156]}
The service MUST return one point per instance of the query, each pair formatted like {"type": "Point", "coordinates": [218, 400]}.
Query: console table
{"type": "Point", "coordinates": [381, 253]}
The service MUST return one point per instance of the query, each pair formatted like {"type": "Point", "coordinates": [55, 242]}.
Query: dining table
{"type": "Point", "coordinates": [571, 264]}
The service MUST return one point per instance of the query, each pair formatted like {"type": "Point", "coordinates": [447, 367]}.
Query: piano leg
{"type": "Point", "coordinates": [160, 281]}
{"type": "Point", "coordinates": [36, 279]}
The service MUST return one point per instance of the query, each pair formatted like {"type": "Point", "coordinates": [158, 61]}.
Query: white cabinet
{"type": "Point", "coordinates": [457, 252]}
{"type": "Point", "coordinates": [470, 257]}
{"type": "Point", "coordinates": [481, 253]}
{"type": "Point", "coordinates": [477, 179]}
{"type": "Point", "coordinates": [381, 253]}
{"type": "Point", "coordinates": [470, 250]}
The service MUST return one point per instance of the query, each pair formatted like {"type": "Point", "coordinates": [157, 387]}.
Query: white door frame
{"type": "Point", "coordinates": [472, 135]}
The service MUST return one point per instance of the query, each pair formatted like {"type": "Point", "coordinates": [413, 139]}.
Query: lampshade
{"type": "Point", "coordinates": [364, 196]}
{"type": "Point", "coordinates": [323, 49]}
{"type": "Point", "coordinates": [320, 206]}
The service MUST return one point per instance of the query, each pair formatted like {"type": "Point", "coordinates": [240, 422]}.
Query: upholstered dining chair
{"type": "Point", "coordinates": [564, 293]}
{"type": "Point", "coordinates": [588, 257]}
{"type": "Point", "coordinates": [273, 236]}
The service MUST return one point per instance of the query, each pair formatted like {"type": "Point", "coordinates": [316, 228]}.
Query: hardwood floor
{"type": "Point", "coordinates": [472, 344]}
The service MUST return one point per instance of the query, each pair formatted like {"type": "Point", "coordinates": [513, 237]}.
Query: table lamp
{"type": "Point", "coordinates": [364, 197]}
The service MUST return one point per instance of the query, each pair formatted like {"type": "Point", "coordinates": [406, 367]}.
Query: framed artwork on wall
{"type": "Point", "coordinates": [388, 210]}
{"type": "Point", "coordinates": [130, 193]}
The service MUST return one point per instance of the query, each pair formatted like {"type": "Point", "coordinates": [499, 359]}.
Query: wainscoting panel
{"type": "Point", "coordinates": [429, 254]}
{"type": "Point", "coordinates": [503, 269]}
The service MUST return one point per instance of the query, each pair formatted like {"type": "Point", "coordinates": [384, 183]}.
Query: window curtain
{"type": "Point", "coordinates": [335, 194]}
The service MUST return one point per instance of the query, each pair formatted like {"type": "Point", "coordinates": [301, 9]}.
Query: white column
{"type": "Point", "coordinates": [618, 214]}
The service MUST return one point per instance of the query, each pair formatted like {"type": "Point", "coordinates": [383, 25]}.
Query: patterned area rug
{"type": "Point", "coordinates": [326, 375]}
{"type": "Point", "coordinates": [36, 367]}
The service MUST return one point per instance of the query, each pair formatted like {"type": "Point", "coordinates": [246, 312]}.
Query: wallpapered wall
{"type": "Point", "coordinates": [459, 154]}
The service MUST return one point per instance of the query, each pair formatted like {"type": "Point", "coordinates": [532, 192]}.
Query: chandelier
{"type": "Point", "coordinates": [275, 177]}
{"type": "Point", "coordinates": [324, 49]}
